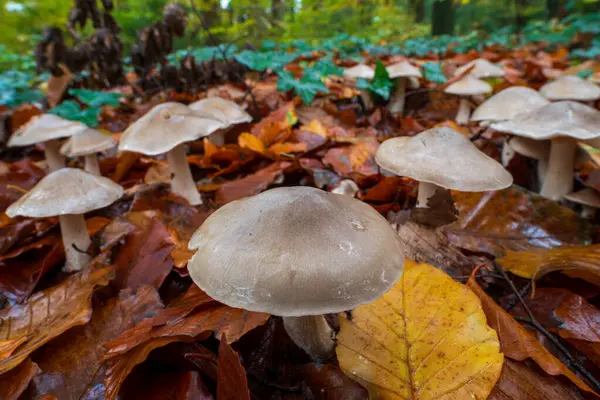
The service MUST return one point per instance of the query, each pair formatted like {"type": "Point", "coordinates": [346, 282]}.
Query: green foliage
{"type": "Point", "coordinates": [96, 98]}
{"type": "Point", "coordinates": [261, 61]}
{"type": "Point", "coordinates": [307, 87]}
{"type": "Point", "coordinates": [15, 88]}
{"type": "Point", "coordinates": [72, 111]}
{"type": "Point", "coordinates": [381, 84]}
{"type": "Point", "coordinates": [432, 71]}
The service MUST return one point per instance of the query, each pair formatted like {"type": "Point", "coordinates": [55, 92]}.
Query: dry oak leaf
{"type": "Point", "coordinates": [517, 342]}
{"type": "Point", "coordinates": [426, 338]}
{"type": "Point", "coordinates": [47, 314]}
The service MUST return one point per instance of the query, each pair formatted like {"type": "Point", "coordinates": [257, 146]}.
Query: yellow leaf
{"type": "Point", "coordinates": [317, 127]}
{"type": "Point", "coordinates": [426, 338]}
{"type": "Point", "coordinates": [249, 141]}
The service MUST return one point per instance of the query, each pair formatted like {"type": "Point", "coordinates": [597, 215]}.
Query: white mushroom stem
{"type": "Point", "coordinates": [588, 212]}
{"type": "Point", "coordinates": [366, 99]}
{"type": "Point", "coordinates": [91, 165]}
{"type": "Point", "coordinates": [313, 334]}
{"type": "Point", "coordinates": [76, 241]}
{"type": "Point", "coordinates": [426, 190]}
{"type": "Point", "coordinates": [464, 111]}
{"type": "Point", "coordinates": [542, 167]}
{"type": "Point", "coordinates": [182, 182]}
{"type": "Point", "coordinates": [52, 153]}
{"type": "Point", "coordinates": [396, 104]}
{"type": "Point", "coordinates": [559, 173]}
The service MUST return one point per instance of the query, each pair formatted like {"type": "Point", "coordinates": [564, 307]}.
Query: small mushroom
{"type": "Point", "coordinates": [401, 72]}
{"type": "Point", "coordinates": [68, 193]}
{"type": "Point", "coordinates": [298, 253]}
{"type": "Point", "coordinates": [571, 87]}
{"type": "Point", "coordinates": [442, 158]}
{"type": "Point", "coordinates": [47, 129]}
{"type": "Point", "coordinates": [508, 103]}
{"type": "Point", "coordinates": [466, 87]}
{"type": "Point", "coordinates": [165, 129]}
{"type": "Point", "coordinates": [588, 198]}
{"type": "Point", "coordinates": [362, 71]}
{"type": "Point", "coordinates": [483, 69]}
{"type": "Point", "coordinates": [222, 110]}
{"type": "Point", "coordinates": [87, 144]}
{"type": "Point", "coordinates": [564, 122]}
{"type": "Point", "coordinates": [346, 187]}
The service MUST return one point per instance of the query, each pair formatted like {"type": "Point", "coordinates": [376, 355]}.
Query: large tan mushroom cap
{"type": "Point", "coordinates": [223, 110]}
{"type": "Point", "coordinates": [483, 69]}
{"type": "Point", "coordinates": [445, 158]}
{"type": "Point", "coordinates": [43, 128]}
{"type": "Point", "coordinates": [508, 103]}
{"type": "Point", "coordinates": [563, 118]}
{"type": "Point", "coordinates": [165, 127]}
{"type": "Point", "coordinates": [360, 71]}
{"type": "Point", "coordinates": [570, 87]}
{"type": "Point", "coordinates": [403, 69]}
{"type": "Point", "coordinates": [90, 141]}
{"type": "Point", "coordinates": [469, 86]}
{"type": "Point", "coordinates": [296, 251]}
{"type": "Point", "coordinates": [66, 191]}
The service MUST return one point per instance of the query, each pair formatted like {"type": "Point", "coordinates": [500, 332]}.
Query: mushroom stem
{"type": "Point", "coordinates": [366, 99]}
{"type": "Point", "coordinates": [52, 153]}
{"type": "Point", "coordinates": [559, 173]}
{"type": "Point", "coordinates": [91, 165]}
{"type": "Point", "coordinates": [182, 182]}
{"type": "Point", "coordinates": [75, 240]}
{"type": "Point", "coordinates": [396, 104]}
{"type": "Point", "coordinates": [464, 111]}
{"type": "Point", "coordinates": [312, 334]}
{"type": "Point", "coordinates": [588, 212]}
{"type": "Point", "coordinates": [218, 138]}
{"type": "Point", "coordinates": [426, 190]}
{"type": "Point", "coordinates": [542, 167]}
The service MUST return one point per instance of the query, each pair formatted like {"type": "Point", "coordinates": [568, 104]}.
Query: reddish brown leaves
{"type": "Point", "coordinates": [23, 175]}
{"type": "Point", "coordinates": [277, 127]}
{"type": "Point", "coordinates": [358, 157]}
{"type": "Point", "coordinates": [231, 376]}
{"type": "Point", "coordinates": [14, 382]}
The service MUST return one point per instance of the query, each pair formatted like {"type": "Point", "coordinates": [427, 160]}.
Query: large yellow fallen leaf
{"type": "Point", "coordinates": [426, 338]}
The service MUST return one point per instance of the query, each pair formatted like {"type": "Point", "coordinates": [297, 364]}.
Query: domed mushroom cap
{"type": "Point", "coordinates": [296, 251]}
{"type": "Point", "coordinates": [443, 157]}
{"type": "Point", "coordinates": [587, 197]}
{"type": "Point", "coordinates": [90, 141]}
{"type": "Point", "coordinates": [563, 118]}
{"type": "Point", "coordinates": [469, 86]}
{"type": "Point", "coordinates": [66, 191]}
{"type": "Point", "coordinates": [403, 69]}
{"type": "Point", "coordinates": [45, 127]}
{"type": "Point", "coordinates": [483, 69]}
{"type": "Point", "coordinates": [508, 103]}
{"type": "Point", "coordinates": [360, 71]}
{"type": "Point", "coordinates": [223, 110]}
{"type": "Point", "coordinates": [165, 127]}
{"type": "Point", "coordinates": [570, 87]}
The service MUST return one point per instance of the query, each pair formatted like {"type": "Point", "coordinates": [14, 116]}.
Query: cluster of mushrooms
{"type": "Point", "coordinates": [300, 252]}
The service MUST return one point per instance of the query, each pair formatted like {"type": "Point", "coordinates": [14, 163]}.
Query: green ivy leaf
{"type": "Point", "coordinates": [96, 98]}
{"type": "Point", "coordinates": [261, 61]}
{"type": "Point", "coordinates": [322, 68]}
{"type": "Point", "coordinates": [306, 88]}
{"type": "Point", "coordinates": [432, 71]}
{"type": "Point", "coordinates": [72, 111]}
{"type": "Point", "coordinates": [381, 84]}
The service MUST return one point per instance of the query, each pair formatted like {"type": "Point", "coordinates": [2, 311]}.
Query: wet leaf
{"type": "Point", "coordinates": [425, 338]}
{"type": "Point", "coordinates": [358, 157]}
{"type": "Point", "coordinates": [327, 382]}
{"type": "Point", "coordinates": [14, 382]}
{"type": "Point", "coordinates": [231, 376]}
{"type": "Point", "coordinates": [277, 126]}
{"type": "Point", "coordinates": [23, 175]}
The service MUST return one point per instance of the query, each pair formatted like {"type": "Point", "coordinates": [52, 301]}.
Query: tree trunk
{"type": "Point", "coordinates": [442, 18]}
{"type": "Point", "coordinates": [417, 7]}
{"type": "Point", "coordinates": [211, 12]}
{"type": "Point", "coordinates": [277, 9]}
{"type": "Point", "coordinates": [554, 8]}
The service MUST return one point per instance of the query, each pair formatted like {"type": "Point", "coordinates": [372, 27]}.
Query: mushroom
{"type": "Point", "coordinates": [87, 144]}
{"type": "Point", "coordinates": [563, 122]}
{"type": "Point", "coordinates": [483, 69]}
{"type": "Point", "coordinates": [346, 187]}
{"type": "Point", "coordinates": [539, 150]}
{"type": "Point", "coordinates": [222, 110]}
{"type": "Point", "coordinates": [571, 87]}
{"type": "Point", "coordinates": [588, 198]}
{"type": "Point", "coordinates": [298, 253]}
{"type": "Point", "coordinates": [508, 103]}
{"type": "Point", "coordinates": [165, 129]}
{"type": "Point", "coordinates": [362, 71]}
{"type": "Point", "coordinates": [68, 193]}
{"type": "Point", "coordinates": [467, 86]}
{"type": "Point", "coordinates": [442, 158]}
{"type": "Point", "coordinates": [401, 72]}
{"type": "Point", "coordinates": [47, 129]}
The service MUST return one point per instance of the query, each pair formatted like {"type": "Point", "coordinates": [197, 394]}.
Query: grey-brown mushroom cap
{"type": "Point", "coordinates": [43, 128]}
{"type": "Point", "coordinates": [90, 141]}
{"type": "Point", "coordinates": [225, 111]}
{"type": "Point", "coordinates": [296, 251]}
{"type": "Point", "coordinates": [570, 87]}
{"type": "Point", "coordinates": [443, 157]}
{"type": "Point", "coordinates": [360, 71]}
{"type": "Point", "coordinates": [508, 103]}
{"type": "Point", "coordinates": [403, 69]}
{"type": "Point", "coordinates": [469, 86]}
{"type": "Point", "coordinates": [66, 191]}
{"type": "Point", "coordinates": [563, 118]}
{"type": "Point", "coordinates": [587, 197]}
{"type": "Point", "coordinates": [483, 69]}
{"type": "Point", "coordinates": [165, 127]}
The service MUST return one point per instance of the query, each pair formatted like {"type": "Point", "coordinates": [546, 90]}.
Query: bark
{"type": "Point", "coordinates": [442, 18]}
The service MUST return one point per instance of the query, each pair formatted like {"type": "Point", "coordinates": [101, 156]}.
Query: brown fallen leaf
{"type": "Point", "coordinates": [23, 176]}
{"type": "Point", "coordinates": [277, 126]}
{"type": "Point", "coordinates": [164, 384]}
{"type": "Point", "coordinates": [72, 364]}
{"type": "Point", "coordinates": [328, 382]}
{"type": "Point", "coordinates": [46, 315]}
{"type": "Point", "coordinates": [517, 342]}
{"type": "Point", "coordinates": [355, 158]}
{"type": "Point", "coordinates": [231, 376]}
{"type": "Point", "coordinates": [14, 382]}
{"type": "Point", "coordinates": [57, 86]}
{"type": "Point", "coordinates": [440, 210]}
